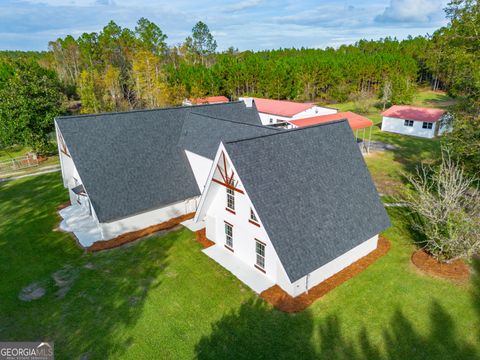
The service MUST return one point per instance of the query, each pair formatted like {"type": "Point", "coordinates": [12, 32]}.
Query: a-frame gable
{"type": "Point", "coordinates": [222, 173]}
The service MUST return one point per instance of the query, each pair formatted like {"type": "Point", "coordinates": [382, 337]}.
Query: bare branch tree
{"type": "Point", "coordinates": [447, 203]}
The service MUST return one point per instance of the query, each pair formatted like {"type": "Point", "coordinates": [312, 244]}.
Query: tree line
{"type": "Point", "coordinates": [121, 69]}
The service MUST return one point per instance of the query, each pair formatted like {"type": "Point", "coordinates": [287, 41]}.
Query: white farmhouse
{"type": "Point", "coordinates": [285, 207]}
{"type": "Point", "coordinates": [295, 206]}
{"type": "Point", "coordinates": [280, 112]}
{"type": "Point", "coordinates": [416, 121]}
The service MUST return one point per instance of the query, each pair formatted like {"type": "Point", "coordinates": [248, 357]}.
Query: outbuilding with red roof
{"type": "Point", "coordinates": [357, 124]}
{"type": "Point", "coordinates": [206, 100]}
{"type": "Point", "coordinates": [280, 112]}
{"type": "Point", "coordinates": [416, 121]}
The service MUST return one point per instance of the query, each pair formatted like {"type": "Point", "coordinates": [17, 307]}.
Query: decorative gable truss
{"type": "Point", "coordinates": [225, 174]}
{"type": "Point", "coordinates": [222, 173]}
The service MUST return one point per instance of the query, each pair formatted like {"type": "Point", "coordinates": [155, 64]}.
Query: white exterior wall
{"type": "Point", "coordinates": [201, 168]}
{"type": "Point", "coordinates": [244, 232]}
{"type": "Point", "coordinates": [313, 111]}
{"type": "Point", "coordinates": [333, 267]}
{"type": "Point", "coordinates": [146, 219]}
{"type": "Point", "coordinates": [396, 125]}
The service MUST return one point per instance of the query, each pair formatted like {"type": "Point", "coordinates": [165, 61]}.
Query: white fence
{"type": "Point", "coordinates": [18, 163]}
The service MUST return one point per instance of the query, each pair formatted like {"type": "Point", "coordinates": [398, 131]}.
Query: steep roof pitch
{"type": "Point", "coordinates": [313, 193]}
{"type": "Point", "coordinates": [281, 107]}
{"type": "Point", "coordinates": [202, 134]}
{"type": "Point", "coordinates": [354, 120]}
{"type": "Point", "coordinates": [130, 162]}
{"type": "Point", "coordinates": [414, 113]}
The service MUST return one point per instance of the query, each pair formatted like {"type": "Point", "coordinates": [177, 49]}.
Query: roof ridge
{"type": "Point", "coordinates": [144, 110]}
{"type": "Point", "coordinates": [235, 122]}
{"type": "Point", "coordinates": [289, 131]}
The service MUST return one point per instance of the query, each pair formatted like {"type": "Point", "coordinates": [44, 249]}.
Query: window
{"type": "Point", "coordinates": [260, 252]}
{"type": "Point", "coordinates": [427, 125]}
{"type": "Point", "coordinates": [271, 121]}
{"type": "Point", "coordinates": [408, 123]}
{"type": "Point", "coordinates": [230, 199]}
{"type": "Point", "coordinates": [229, 235]}
{"type": "Point", "coordinates": [253, 217]}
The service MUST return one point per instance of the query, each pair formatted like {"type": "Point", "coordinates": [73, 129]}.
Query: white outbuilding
{"type": "Point", "coordinates": [416, 121]}
{"type": "Point", "coordinates": [280, 112]}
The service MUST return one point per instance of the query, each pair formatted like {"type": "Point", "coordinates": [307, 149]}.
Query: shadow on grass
{"type": "Point", "coordinates": [100, 296]}
{"type": "Point", "coordinates": [258, 332]}
{"type": "Point", "coordinates": [405, 219]}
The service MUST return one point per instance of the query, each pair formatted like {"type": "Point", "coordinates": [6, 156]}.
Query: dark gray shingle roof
{"type": "Point", "coordinates": [202, 134]}
{"type": "Point", "coordinates": [313, 193]}
{"type": "Point", "coordinates": [130, 162]}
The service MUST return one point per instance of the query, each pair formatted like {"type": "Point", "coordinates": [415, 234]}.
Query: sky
{"type": "Point", "coordinates": [243, 24]}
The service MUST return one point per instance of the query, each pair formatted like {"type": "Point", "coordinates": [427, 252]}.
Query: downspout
{"type": "Point", "coordinates": [306, 282]}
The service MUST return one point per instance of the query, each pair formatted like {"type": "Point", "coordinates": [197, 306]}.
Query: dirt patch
{"type": "Point", "coordinates": [31, 292]}
{"type": "Point", "coordinates": [135, 235]}
{"type": "Point", "coordinates": [201, 237]}
{"type": "Point", "coordinates": [456, 270]}
{"type": "Point", "coordinates": [64, 279]}
{"type": "Point", "coordinates": [284, 302]}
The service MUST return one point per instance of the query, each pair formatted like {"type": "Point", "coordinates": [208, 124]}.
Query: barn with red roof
{"type": "Point", "coordinates": [416, 121]}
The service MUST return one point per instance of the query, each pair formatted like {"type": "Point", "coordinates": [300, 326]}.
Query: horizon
{"type": "Point", "coordinates": [28, 25]}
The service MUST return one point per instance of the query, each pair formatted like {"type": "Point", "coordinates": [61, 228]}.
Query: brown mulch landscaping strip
{"type": "Point", "coordinates": [201, 237]}
{"type": "Point", "coordinates": [134, 235]}
{"type": "Point", "coordinates": [456, 270]}
{"type": "Point", "coordinates": [284, 302]}
{"type": "Point", "coordinates": [64, 205]}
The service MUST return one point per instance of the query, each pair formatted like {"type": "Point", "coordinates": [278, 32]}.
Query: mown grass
{"type": "Point", "coordinates": [161, 298]}
{"type": "Point", "coordinates": [388, 168]}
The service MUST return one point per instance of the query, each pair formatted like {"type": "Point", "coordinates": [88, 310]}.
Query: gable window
{"type": "Point", "coordinates": [427, 125]}
{"type": "Point", "coordinates": [260, 254]}
{"type": "Point", "coordinates": [228, 235]}
{"type": "Point", "coordinates": [408, 123]}
{"type": "Point", "coordinates": [230, 199]}
{"type": "Point", "coordinates": [253, 218]}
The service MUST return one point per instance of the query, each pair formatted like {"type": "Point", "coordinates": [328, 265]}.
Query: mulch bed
{"type": "Point", "coordinates": [135, 235]}
{"type": "Point", "coordinates": [201, 237]}
{"type": "Point", "coordinates": [64, 205]}
{"type": "Point", "coordinates": [456, 270]}
{"type": "Point", "coordinates": [284, 302]}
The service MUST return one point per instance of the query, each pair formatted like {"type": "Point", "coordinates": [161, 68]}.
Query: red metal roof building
{"type": "Point", "coordinates": [209, 100]}
{"type": "Point", "coordinates": [416, 121]}
{"type": "Point", "coordinates": [281, 107]}
{"type": "Point", "coordinates": [354, 120]}
{"type": "Point", "coordinates": [414, 113]}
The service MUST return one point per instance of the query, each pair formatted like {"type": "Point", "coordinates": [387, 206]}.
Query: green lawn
{"type": "Point", "coordinates": [161, 298]}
